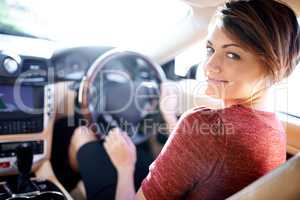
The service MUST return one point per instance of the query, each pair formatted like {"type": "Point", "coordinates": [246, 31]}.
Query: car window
{"type": "Point", "coordinates": [288, 94]}
{"type": "Point", "coordinates": [189, 57]}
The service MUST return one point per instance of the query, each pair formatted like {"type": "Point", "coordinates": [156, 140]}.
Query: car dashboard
{"type": "Point", "coordinates": [34, 81]}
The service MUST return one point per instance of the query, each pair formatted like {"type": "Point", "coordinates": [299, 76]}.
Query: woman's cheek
{"type": "Point", "coordinates": [218, 91]}
{"type": "Point", "coordinates": [234, 92]}
{"type": "Point", "coordinates": [211, 91]}
{"type": "Point", "coordinates": [239, 90]}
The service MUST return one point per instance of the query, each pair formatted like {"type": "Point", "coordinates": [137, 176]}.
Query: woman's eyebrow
{"type": "Point", "coordinates": [209, 42]}
{"type": "Point", "coordinates": [229, 45]}
{"type": "Point", "coordinates": [225, 45]}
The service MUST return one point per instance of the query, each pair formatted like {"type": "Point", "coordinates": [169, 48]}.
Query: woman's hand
{"type": "Point", "coordinates": [169, 98]}
{"type": "Point", "coordinates": [121, 150]}
{"type": "Point", "coordinates": [169, 102]}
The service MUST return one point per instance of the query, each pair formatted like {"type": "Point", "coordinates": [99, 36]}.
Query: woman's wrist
{"type": "Point", "coordinates": [125, 171]}
{"type": "Point", "coordinates": [125, 186]}
{"type": "Point", "coordinates": [170, 118]}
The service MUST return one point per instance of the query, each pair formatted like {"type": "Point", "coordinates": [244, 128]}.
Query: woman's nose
{"type": "Point", "coordinates": [213, 64]}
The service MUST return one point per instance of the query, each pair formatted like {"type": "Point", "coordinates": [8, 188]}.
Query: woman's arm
{"type": "Point", "coordinates": [125, 188]}
{"type": "Point", "coordinates": [122, 153]}
{"type": "Point", "coordinates": [125, 185]}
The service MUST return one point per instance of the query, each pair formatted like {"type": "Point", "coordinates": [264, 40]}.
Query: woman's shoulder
{"type": "Point", "coordinates": [234, 117]}
{"type": "Point", "coordinates": [199, 118]}
{"type": "Point", "coordinates": [235, 110]}
{"type": "Point", "coordinates": [201, 112]}
{"type": "Point", "coordinates": [193, 114]}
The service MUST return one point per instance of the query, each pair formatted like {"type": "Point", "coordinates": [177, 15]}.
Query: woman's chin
{"type": "Point", "coordinates": [212, 93]}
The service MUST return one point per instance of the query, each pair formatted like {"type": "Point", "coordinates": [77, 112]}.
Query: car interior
{"type": "Point", "coordinates": [48, 87]}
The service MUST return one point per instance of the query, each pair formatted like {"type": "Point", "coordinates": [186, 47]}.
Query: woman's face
{"type": "Point", "coordinates": [232, 72]}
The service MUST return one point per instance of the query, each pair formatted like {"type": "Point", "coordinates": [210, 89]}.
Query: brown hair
{"type": "Point", "coordinates": [267, 28]}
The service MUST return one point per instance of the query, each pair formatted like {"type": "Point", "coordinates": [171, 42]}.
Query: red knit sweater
{"type": "Point", "coordinates": [212, 154]}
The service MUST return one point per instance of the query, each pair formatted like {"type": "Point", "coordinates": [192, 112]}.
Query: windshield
{"type": "Point", "coordinates": [110, 22]}
{"type": "Point", "coordinates": [10, 19]}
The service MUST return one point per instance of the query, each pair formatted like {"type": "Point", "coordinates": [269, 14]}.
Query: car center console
{"type": "Point", "coordinates": [21, 109]}
{"type": "Point", "coordinates": [26, 109]}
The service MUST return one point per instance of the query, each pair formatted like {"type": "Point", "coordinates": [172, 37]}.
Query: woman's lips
{"type": "Point", "coordinates": [217, 81]}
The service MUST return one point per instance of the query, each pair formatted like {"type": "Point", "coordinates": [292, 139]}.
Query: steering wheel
{"type": "Point", "coordinates": [122, 89]}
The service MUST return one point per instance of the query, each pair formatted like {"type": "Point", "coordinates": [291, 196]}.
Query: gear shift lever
{"type": "Point", "coordinates": [24, 163]}
{"type": "Point", "coordinates": [22, 186]}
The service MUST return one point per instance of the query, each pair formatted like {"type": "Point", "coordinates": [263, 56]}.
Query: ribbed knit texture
{"type": "Point", "coordinates": [212, 154]}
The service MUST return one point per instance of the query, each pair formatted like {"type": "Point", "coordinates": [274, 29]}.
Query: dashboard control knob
{"type": "Point", "coordinates": [10, 65]}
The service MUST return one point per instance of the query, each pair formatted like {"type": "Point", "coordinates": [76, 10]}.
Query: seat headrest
{"type": "Point", "coordinates": [281, 183]}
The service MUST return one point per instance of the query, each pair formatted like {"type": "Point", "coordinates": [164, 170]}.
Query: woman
{"type": "Point", "coordinates": [212, 154]}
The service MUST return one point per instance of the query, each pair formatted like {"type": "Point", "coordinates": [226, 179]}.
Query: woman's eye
{"type": "Point", "coordinates": [233, 56]}
{"type": "Point", "coordinates": [209, 51]}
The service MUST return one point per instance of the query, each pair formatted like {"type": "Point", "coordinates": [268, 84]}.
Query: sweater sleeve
{"type": "Point", "coordinates": [189, 156]}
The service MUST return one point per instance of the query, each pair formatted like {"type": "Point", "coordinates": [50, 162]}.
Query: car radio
{"type": "Point", "coordinates": [21, 109]}
{"type": "Point", "coordinates": [22, 91]}
{"type": "Point", "coordinates": [8, 149]}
